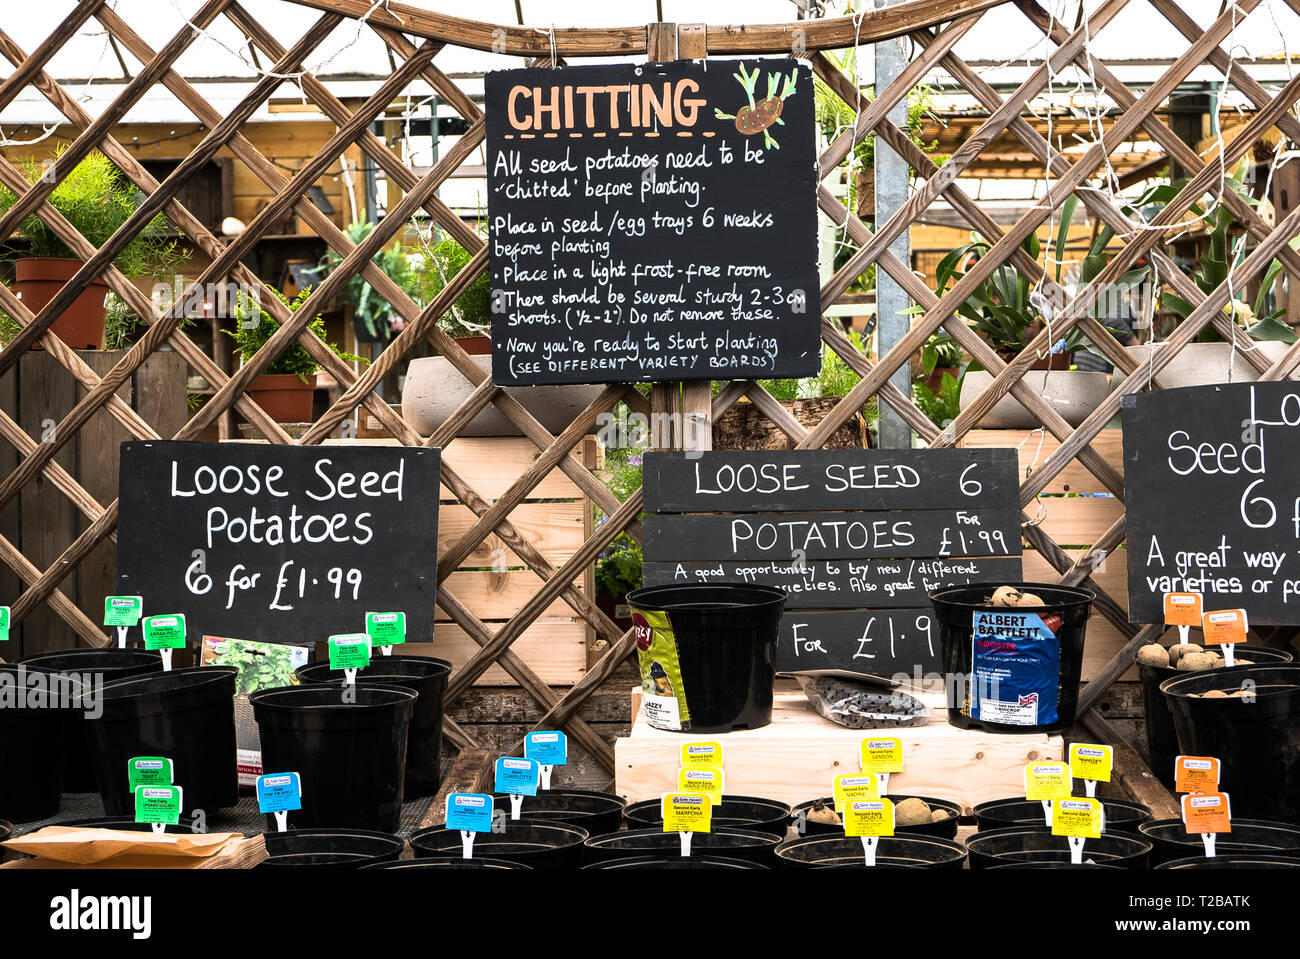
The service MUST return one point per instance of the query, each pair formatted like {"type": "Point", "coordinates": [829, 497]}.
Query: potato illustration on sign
{"type": "Point", "coordinates": [758, 117]}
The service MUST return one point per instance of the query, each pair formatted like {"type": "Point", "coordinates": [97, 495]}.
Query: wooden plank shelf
{"type": "Point", "coordinates": [795, 758]}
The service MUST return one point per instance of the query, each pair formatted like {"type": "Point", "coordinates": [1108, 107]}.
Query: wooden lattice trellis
{"type": "Point", "coordinates": [414, 38]}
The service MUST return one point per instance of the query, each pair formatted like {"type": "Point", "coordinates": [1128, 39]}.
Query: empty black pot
{"type": "Point", "coordinates": [329, 849]}
{"type": "Point", "coordinates": [729, 843]}
{"type": "Point", "coordinates": [187, 716]}
{"type": "Point", "coordinates": [998, 847]}
{"type": "Point", "coordinates": [541, 845]}
{"type": "Point", "coordinates": [741, 812]}
{"type": "Point", "coordinates": [945, 828]}
{"type": "Point", "coordinates": [1257, 742]}
{"type": "Point", "coordinates": [36, 709]}
{"type": "Point", "coordinates": [422, 674]}
{"type": "Point", "coordinates": [1121, 814]}
{"type": "Point", "coordinates": [596, 812]}
{"type": "Point", "coordinates": [1232, 861]}
{"type": "Point", "coordinates": [1251, 836]}
{"type": "Point", "coordinates": [1054, 865]}
{"type": "Point", "coordinates": [927, 852]}
{"type": "Point", "coordinates": [1162, 738]}
{"type": "Point", "coordinates": [407, 864]}
{"type": "Point", "coordinates": [348, 745]}
{"type": "Point", "coordinates": [128, 822]}
{"type": "Point", "coordinates": [691, 862]}
{"type": "Point", "coordinates": [105, 664]}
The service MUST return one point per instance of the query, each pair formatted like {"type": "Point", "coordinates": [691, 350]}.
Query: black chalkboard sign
{"type": "Point", "coordinates": [1212, 502]}
{"type": "Point", "coordinates": [652, 222]}
{"type": "Point", "coordinates": [285, 544]}
{"type": "Point", "coordinates": [857, 538]}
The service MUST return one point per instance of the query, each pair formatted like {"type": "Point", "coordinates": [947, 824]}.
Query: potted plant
{"type": "Point", "coordinates": [1007, 314]}
{"type": "Point", "coordinates": [373, 318]}
{"type": "Point", "coordinates": [434, 389]}
{"type": "Point", "coordinates": [1208, 359]}
{"type": "Point", "coordinates": [284, 388]}
{"type": "Point", "coordinates": [96, 199]}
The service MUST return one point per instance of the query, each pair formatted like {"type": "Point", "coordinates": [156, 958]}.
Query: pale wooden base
{"type": "Point", "coordinates": [796, 757]}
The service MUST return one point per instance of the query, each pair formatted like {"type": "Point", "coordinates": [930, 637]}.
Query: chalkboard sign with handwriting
{"type": "Point", "coordinates": [652, 222]}
{"type": "Point", "coordinates": [857, 538]}
{"type": "Point", "coordinates": [1212, 503]}
{"type": "Point", "coordinates": [286, 544]}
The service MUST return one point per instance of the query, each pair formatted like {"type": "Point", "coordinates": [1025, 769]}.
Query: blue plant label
{"type": "Point", "coordinates": [469, 812]}
{"type": "Point", "coordinates": [549, 748]}
{"type": "Point", "coordinates": [1016, 665]}
{"type": "Point", "coordinates": [279, 792]}
{"type": "Point", "coordinates": [518, 777]}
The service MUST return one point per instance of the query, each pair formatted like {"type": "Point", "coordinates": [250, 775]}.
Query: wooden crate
{"type": "Point", "coordinates": [796, 757]}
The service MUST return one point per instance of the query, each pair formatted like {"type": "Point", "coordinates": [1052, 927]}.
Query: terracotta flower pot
{"type": "Point", "coordinates": [475, 345]}
{"type": "Point", "coordinates": [81, 325]}
{"type": "Point", "coordinates": [285, 397]}
{"type": "Point", "coordinates": [865, 182]}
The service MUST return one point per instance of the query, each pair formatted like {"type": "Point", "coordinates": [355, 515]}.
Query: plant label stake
{"type": "Point", "coordinates": [1207, 814]}
{"type": "Point", "coordinates": [1079, 820]}
{"type": "Point", "coordinates": [470, 813]}
{"type": "Point", "coordinates": [1092, 764]}
{"type": "Point", "coordinates": [160, 806]}
{"type": "Point", "coordinates": [4, 624]}
{"type": "Point", "coordinates": [1225, 628]}
{"type": "Point", "coordinates": [350, 652]}
{"type": "Point", "coordinates": [709, 781]}
{"type": "Point", "coordinates": [386, 630]}
{"type": "Point", "coordinates": [122, 612]}
{"type": "Point", "coordinates": [518, 778]}
{"type": "Point", "coordinates": [1046, 782]}
{"type": "Point", "coordinates": [550, 748]}
{"type": "Point", "coordinates": [881, 756]}
{"type": "Point", "coordinates": [685, 814]}
{"type": "Point", "coordinates": [279, 794]}
{"type": "Point", "coordinates": [869, 819]}
{"type": "Point", "coordinates": [149, 771]}
{"type": "Point", "coordinates": [705, 755]}
{"type": "Point", "coordinates": [1184, 611]}
{"type": "Point", "coordinates": [847, 787]}
{"type": "Point", "coordinates": [165, 633]}
{"type": "Point", "coordinates": [1196, 774]}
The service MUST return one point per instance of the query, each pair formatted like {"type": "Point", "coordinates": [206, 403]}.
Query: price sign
{"type": "Point", "coordinates": [1196, 774]}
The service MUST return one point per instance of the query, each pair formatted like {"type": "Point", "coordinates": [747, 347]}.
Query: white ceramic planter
{"type": "Point", "coordinates": [1072, 393]}
{"type": "Point", "coordinates": [434, 390]}
{"type": "Point", "coordinates": [1200, 364]}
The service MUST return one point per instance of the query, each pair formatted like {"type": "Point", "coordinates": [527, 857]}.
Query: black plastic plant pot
{"type": "Point", "coordinates": [748, 844]}
{"type": "Point", "coordinates": [187, 716]}
{"type": "Point", "coordinates": [926, 852]}
{"type": "Point", "coordinates": [408, 864]}
{"type": "Point", "coordinates": [1121, 815]}
{"type": "Point", "coordinates": [36, 709]}
{"type": "Point", "coordinates": [541, 845]}
{"type": "Point", "coordinates": [329, 849]}
{"type": "Point", "coordinates": [740, 812]}
{"type": "Point", "coordinates": [945, 828]}
{"type": "Point", "coordinates": [426, 676]}
{"type": "Point", "coordinates": [1162, 738]}
{"type": "Point", "coordinates": [712, 670]}
{"type": "Point", "coordinates": [128, 822]}
{"type": "Point", "coordinates": [1232, 861]}
{"type": "Point", "coordinates": [1022, 844]}
{"type": "Point", "coordinates": [955, 609]}
{"type": "Point", "coordinates": [1250, 836]}
{"type": "Point", "coordinates": [6, 830]}
{"type": "Point", "coordinates": [1055, 865]}
{"type": "Point", "coordinates": [596, 812]}
{"type": "Point", "coordinates": [106, 663]}
{"type": "Point", "coordinates": [347, 745]}
{"type": "Point", "coordinates": [691, 862]}
{"type": "Point", "coordinates": [1256, 738]}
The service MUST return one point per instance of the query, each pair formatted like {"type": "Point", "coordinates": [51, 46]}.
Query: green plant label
{"type": "Point", "coordinates": [122, 610]}
{"type": "Point", "coordinates": [158, 804]}
{"type": "Point", "coordinates": [164, 632]}
{"type": "Point", "coordinates": [4, 624]}
{"type": "Point", "coordinates": [350, 651]}
{"type": "Point", "coordinates": [149, 771]}
{"type": "Point", "coordinates": [386, 629]}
